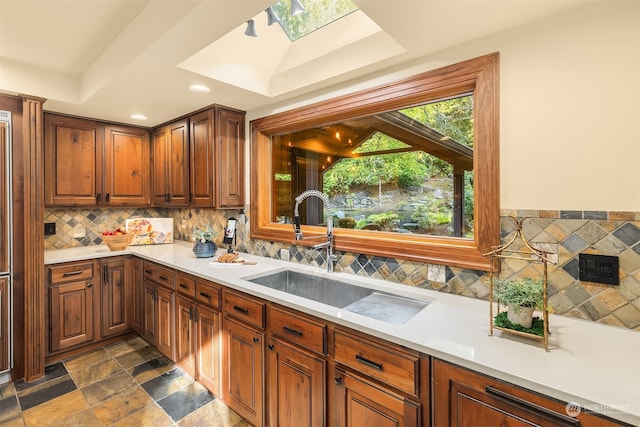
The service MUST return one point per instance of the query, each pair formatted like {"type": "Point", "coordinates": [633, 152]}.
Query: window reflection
{"type": "Point", "coordinates": [404, 171]}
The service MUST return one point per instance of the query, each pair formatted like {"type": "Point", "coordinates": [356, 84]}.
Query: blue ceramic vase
{"type": "Point", "coordinates": [204, 249]}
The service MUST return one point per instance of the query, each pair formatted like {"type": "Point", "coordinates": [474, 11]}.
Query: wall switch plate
{"type": "Point", "coordinates": [599, 269]}
{"type": "Point", "coordinates": [79, 231]}
{"type": "Point", "coordinates": [284, 254]}
{"type": "Point", "coordinates": [49, 228]}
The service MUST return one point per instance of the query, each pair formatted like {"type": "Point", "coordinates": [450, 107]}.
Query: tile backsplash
{"type": "Point", "coordinates": [565, 234]}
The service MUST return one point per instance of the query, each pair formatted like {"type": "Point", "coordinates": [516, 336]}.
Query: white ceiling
{"type": "Point", "coordinates": [109, 59]}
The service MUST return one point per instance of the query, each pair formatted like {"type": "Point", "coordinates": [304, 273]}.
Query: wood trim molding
{"type": "Point", "coordinates": [33, 218]}
{"type": "Point", "coordinates": [480, 75]}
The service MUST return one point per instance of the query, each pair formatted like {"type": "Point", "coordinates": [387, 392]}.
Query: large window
{"type": "Point", "coordinates": [403, 171]}
{"type": "Point", "coordinates": [411, 168]}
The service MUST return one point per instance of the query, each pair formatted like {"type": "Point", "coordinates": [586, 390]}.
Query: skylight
{"type": "Point", "coordinates": [318, 13]}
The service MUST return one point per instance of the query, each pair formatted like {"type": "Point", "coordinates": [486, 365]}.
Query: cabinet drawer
{"type": "Point", "coordinates": [208, 293]}
{"type": "Point", "coordinates": [186, 285]}
{"type": "Point", "coordinates": [166, 277]}
{"type": "Point", "coordinates": [70, 272]}
{"type": "Point", "coordinates": [150, 271]}
{"type": "Point", "coordinates": [299, 330]}
{"type": "Point", "coordinates": [244, 308]}
{"type": "Point", "coordinates": [391, 365]}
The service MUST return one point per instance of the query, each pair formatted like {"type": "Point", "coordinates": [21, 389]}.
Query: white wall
{"type": "Point", "coordinates": [569, 107]}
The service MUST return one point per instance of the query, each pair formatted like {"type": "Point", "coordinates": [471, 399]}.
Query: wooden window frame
{"type": "Point", "coordinates": [480, 76]}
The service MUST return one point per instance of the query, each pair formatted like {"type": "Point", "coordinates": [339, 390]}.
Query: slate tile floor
{"type": "Point", "coordinates": [128, 383]}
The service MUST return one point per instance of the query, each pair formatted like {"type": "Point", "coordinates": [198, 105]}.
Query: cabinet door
{"type": "Point", "coordinates": [463, 398]}
{"type": "Point", "coordinates": [362, 403]}
{"type": "Point", "coordinates": [201, 140]}
{"type": "Point", "coordinates": [150, 312]}
{"type": "Point", "coordinates": [4, 202]}
{"type": "Point", "coordinates": [126, 162]}
{"type": "Point", "coordinates": [135, 276]}
{"type": "Point", "coordinates": [165, 322]}
{"type": "Point", "coordinates": [208, 344]}
{"type": "Point", "coordinates": [116, 297]}
{"type": "Point", "coordinates": [243, 367]}
{"type": "Point", "coordinates": [296, 387]}
{"type": "Point", "coordinates": [178, 163]}
{"type": "Point", "coordinates": [73, 161]}
{"type": "Point", "coordinates": [170, 163]}
{"type": "Point", "coordinates": [71, 308]}
{"type": "Point", "coordinates": [159, 168]}
{"type": "Point", "coordinates": [4, 324]}
{"type": "Point", "coordinates": [230, 159]}
{"type": "Point", "coordinates": [185, 338]}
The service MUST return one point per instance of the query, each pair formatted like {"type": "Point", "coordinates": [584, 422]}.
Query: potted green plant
{"type": "Point", "coordinates": [204, 246]}
{"type": "Point", "coordinates": [521, 296]}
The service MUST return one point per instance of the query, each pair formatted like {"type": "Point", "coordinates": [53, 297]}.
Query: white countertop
{"type": "Point", "coordinates": [594, 365]}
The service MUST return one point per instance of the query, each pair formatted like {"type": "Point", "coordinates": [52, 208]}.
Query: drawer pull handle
{"type": "Point", "coordinates": [207, 296]}
{"type": "Point", "coordinates": [292, 331]}
{"type": "Point", "coordinates": [566, 420]}
{"type": "Point", "coordinates": [72, 273]}
{"type": "Point", "coordinates": [183, 286]}
{"type": "Point", "coordinates": [164, 278]}
{"type": "Point", "coordinates": [241, 310]}
{"type": "Point", "coordinates": [368, 362]}
{"type": "Point", "coordinates": [148, 271]}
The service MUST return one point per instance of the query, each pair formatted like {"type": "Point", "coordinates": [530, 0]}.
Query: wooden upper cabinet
{"type": "Point", "coordinates": [73, 161]}
{"type": "Point", "coordinates": [230, 158]}
{"type": "Point", "coordinates": [217, 158]}
{"type": "Point", "coordinates": [202, 159]}
{"type": "Point", "coordinates": [126, 164]}
{"type": "Point", "coordinates": [88, 163]}
{"type": "Point", "coordinates": [170, 164]}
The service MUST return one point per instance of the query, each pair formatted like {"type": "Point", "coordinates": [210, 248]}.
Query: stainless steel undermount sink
{"type": "Point", "coordinates": [379, 305]}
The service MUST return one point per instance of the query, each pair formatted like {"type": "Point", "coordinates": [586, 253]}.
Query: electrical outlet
{"type": "Point", "coordinates": [599, 269]}
{"type": "Point", "coordinates": [79, 231]}
{"type": "Point", "coordinates": [183, 223]}
{"type": "Point", "coordinates": [49, 228]}
{"type": "Point", "coordinates": [284, 254]}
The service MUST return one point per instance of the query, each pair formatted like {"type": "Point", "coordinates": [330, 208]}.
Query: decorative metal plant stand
{"type": "Point", "coordinates": [529, 254]}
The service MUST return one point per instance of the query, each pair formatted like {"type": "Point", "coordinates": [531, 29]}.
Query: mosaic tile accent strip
{"type": "Point", "coordinates": [564, 233]}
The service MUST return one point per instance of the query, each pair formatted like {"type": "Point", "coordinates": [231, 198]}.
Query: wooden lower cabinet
{"type": "Point", "coordinates": [135, 276]}
{"type": "Point", "coordinates": [4, 324]}
{"type": "Point", "coordinates": [243, 370]}
{"type": "Point", "coordinates": [165, 322]}
{"type": "Point", "coordinates": [360, 402]}
{"type": "Point", "coordinates": [185, 335]}
{"type": "Point", "coordinates": [296, 386]}
{"type": "Point", "coordinates": [150, 312]}
{"type": "Point", "coordinates": [198, 343]}
{"type": "Point", "coordinates": [71, 314]}
{"type": "Point", "coordinates": [208, 349]}
{"type": "Point", "coordinates": [116, 298]}
{"type": "Point", "coordinates": [462, 397]}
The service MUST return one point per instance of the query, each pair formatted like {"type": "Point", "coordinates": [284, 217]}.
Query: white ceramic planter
{"type": "Point", "coordinates": [521, 315]}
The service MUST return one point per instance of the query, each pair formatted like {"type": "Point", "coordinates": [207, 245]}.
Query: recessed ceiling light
{"type": "Point", "coordinates": [138, 117]}
{"type": "Point", "coordinates": [200, 88]}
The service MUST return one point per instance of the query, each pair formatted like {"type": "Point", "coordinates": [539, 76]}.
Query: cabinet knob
{"type": "Point", "coordinates": [89, 285]}
{"type": "Point", "coordinates": [256, 339]}
{"type": "Point", "coordinates": [270, 346]}
{"type": "Point", "coordinates": [337, 380]}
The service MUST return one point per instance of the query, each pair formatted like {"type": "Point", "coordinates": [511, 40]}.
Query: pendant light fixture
{"type": "Point", "coordinates": [251, 29]}
{"type": "Point", "coordinates": [296, 8]}
{"type": "Point", "coordinates": [272, 18]}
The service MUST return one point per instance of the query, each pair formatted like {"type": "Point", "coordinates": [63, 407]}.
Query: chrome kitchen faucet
{"type": "Point", "coordinates": [331, 258]}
